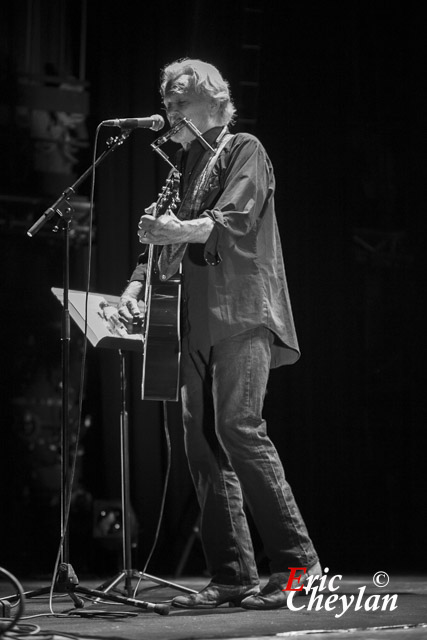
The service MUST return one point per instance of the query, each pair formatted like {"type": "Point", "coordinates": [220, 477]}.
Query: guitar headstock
{"type": "Point", "coordinates": [168, 199]}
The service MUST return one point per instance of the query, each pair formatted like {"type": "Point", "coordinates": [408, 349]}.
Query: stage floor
{"type": "Point", "coordinates": [372, 613]}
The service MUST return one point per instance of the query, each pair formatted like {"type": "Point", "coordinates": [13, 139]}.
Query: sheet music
{"type": "Point", "coordinates": [103, 329]}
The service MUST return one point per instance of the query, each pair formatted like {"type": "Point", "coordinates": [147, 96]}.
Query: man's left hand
{"type": "Point", "coordinates": [166, 229]}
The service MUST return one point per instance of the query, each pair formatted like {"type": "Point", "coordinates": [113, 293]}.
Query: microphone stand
{"type": "Point", "coordinates": [66, 580]}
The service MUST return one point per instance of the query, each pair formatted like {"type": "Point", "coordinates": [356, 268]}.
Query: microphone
{"type": "Point", "coordinates": [155, 122]}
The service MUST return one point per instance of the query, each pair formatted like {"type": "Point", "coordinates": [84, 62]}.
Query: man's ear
{"type": "Point", "coordinates": [214, 106]}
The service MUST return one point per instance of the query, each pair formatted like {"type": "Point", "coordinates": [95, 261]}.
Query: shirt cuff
{"type": "Point", "coordinates": [211, 253]}
{"type": "Point", "coordinates": [139, 273]}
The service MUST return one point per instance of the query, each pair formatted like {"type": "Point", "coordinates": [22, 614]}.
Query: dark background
{"type": "Point", "coordinates": [335, 91]}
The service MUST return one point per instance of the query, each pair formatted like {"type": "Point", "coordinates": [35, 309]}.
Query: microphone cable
{"type": "Point", "coordinates": [164, 492]}
{"type": "Point", "coordinates": [6, 625]}
{"type": "Point", "coordinates": [74, 453]}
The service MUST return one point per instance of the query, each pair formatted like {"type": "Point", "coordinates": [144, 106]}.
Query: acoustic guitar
{"type": "Point", "coordinates": [161, 327]}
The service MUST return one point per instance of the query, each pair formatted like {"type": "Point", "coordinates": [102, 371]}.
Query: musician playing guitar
{"type": "Point", "coordinates": [236, 324]}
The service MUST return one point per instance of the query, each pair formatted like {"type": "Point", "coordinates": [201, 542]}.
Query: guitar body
{"type": "Point", "coordinates": [162, 347]}
{"type": "Point", "coordinates": [162, 337]}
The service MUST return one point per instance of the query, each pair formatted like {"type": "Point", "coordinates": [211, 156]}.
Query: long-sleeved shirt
{"type": "Point", "coordinates": [235, 281]}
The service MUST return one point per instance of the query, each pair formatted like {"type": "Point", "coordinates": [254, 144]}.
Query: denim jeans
{"type": "Point", "coordinates": [233, 461]}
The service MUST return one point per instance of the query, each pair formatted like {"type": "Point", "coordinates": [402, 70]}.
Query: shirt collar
{"type": "Point", "coordinates": [210, 136]}
{"type": "Point", "coordinates": [192, 155]}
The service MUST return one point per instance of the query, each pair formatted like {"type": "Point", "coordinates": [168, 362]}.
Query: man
{"type": "Point", "coordinates": [237, 324]}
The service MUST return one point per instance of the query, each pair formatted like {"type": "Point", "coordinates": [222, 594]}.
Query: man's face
{"type": "Point", "coordinates": [182, 102]}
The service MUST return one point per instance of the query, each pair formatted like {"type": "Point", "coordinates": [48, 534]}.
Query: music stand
{"type": "Point", "coordinates": [88, 312]}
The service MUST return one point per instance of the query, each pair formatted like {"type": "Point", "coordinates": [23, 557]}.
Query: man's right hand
{"type": "Point", "coordinates": [130, 308]}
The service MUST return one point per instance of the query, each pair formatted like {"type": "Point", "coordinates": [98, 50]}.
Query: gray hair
{"type": "Point", "coordinates": [204, 78]}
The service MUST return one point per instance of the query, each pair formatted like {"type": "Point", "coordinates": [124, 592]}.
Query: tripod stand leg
{"type": "Point", "coordinates": [160, 608]}
{"type": "Point", "coordinates": [67, 583]}
{"type": "Point", "coordinates": [167, 583]}
{"type": "Point", "coordinates": [112, 582]}
{"type": "Point", "coordinates": [64, 582]}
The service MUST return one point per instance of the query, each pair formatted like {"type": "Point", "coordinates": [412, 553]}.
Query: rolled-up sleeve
{"type": "Point", "coordinates": [248, 183]}
{"type": "Point", "coordinates": [140, 271]}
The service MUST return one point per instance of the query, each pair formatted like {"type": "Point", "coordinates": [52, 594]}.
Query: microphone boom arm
{"type": "Point", "coordinates": [56, 207]}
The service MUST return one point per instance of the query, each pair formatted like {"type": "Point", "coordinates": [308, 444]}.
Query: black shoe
{"type": "Point", "coordinates": [273, 595]}
{"type": "Point", "coordinates": [215, 595]}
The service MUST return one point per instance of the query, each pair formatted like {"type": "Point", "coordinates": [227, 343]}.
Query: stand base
{"type": "Point", "coordinates": [67, 582]}
{"type": "Point", "coordinates": [127, 575]}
